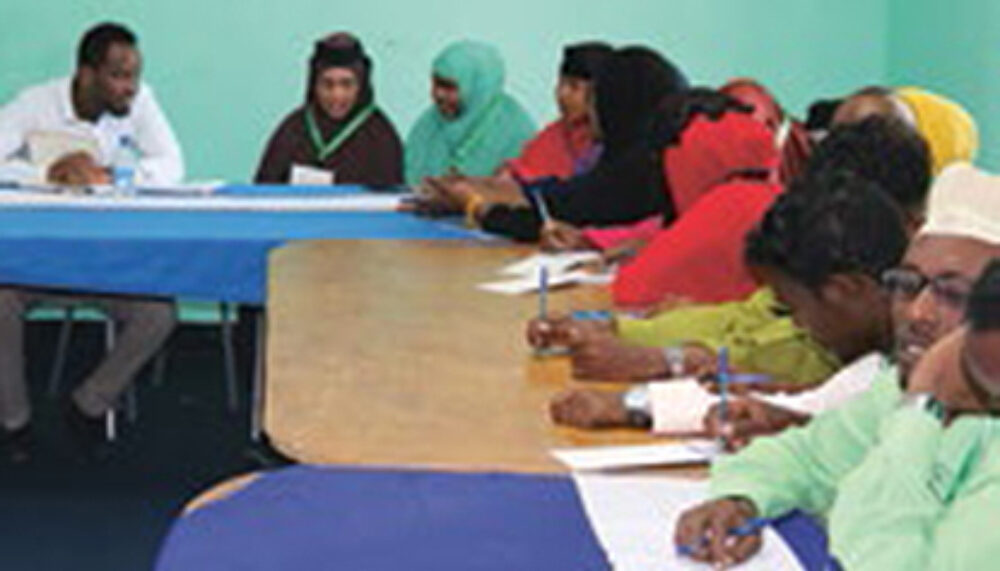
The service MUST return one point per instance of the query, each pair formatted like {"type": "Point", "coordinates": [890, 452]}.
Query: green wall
{"type": "Point", "coordinates": [954, 48]}
{"type": "Point", "coordinates": [226, 72]}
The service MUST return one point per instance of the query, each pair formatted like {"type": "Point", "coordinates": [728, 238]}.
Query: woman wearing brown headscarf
{"type": "Point", "coordinates": [339, 130]}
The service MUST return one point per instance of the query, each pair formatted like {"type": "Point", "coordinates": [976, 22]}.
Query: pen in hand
{"type": "Point", "coordinates": [749, 527]}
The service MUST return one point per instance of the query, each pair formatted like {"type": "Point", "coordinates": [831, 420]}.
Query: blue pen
{"type": "Point", "coordinates": [740, 378]}
{"type": "Point", "coordinates": [543, 292]}
{"type": "Point", "coordinates": [592, 315]}
{"type": "Point", "coordinates": [723, 377]}
{"type": "Point", "coordinates": [749, 527]}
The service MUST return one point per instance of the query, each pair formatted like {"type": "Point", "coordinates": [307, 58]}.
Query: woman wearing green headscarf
{"type": "Point", "coordinates": [473, 126]}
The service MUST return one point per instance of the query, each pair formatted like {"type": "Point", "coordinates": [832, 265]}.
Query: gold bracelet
{"type": "Point", "coordinates": [472, 209]}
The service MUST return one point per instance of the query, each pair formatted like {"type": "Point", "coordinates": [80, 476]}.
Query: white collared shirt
{"type": "Point", "coordinates": [48, 108]}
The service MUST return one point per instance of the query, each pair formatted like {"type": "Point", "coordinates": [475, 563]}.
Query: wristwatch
{"type": "Point", "coordinates": [674, 356]}
{"type": "Point", "coordinates": [925, 402]}
{"type": "Point", "coordinates": [638, 406]}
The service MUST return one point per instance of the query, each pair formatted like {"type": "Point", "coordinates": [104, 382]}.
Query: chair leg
{"type": "Point", "coordinates": [62, 347]}
{"type": "Point", "coordinates": [229, 357]}
{"type": "Point", "coordinates": [130, 401]}
{"type": "Point", "coordinates": [132, 404]}
{"type": "Point", "coordinates": [111, 425]}
{"type": "Point", "coordinates": [160, 367]}
{"type": "Point", "coordinates": [257, 394]}
{"type": "Point", "coordinates": [109, 334]}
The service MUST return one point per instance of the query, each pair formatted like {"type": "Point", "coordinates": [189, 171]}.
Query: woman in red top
{"type": "Point", "coordinates": [723, 177]}
{"type": "Point", "coordinates": [567, 146]}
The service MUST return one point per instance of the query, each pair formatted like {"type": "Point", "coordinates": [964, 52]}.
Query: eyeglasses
{"type": "Point", "coordinates": [907, 283]}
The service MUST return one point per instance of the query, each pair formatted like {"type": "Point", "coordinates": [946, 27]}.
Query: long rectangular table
{"type": "Point", "coordinates": [191, 253]}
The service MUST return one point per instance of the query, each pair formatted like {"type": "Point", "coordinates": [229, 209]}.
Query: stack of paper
{"type": "Point", "coordinates": [693, 451]}
{"type": "Point", "coordinates": [524, 275]}
{"type": "Point", "coordinates": [634, 519]}
{"type": "Point", "coordinates": [555, 263]}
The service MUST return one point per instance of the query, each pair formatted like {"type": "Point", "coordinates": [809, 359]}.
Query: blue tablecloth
{"type": "Point", "coordinates": [307, 518]}
{"type": "Point", "coordinates": [342, 518]}
{"type": "Point", "coordinates": [211, 255]}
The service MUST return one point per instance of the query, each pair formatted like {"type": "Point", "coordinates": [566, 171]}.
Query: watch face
{"type": "Point", "coordinates": [637, 399]}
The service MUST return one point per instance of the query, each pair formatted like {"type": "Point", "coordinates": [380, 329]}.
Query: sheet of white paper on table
{"type": "Point", "coordinates": [528, 284]}
{"type": "Point", "coordinates": [555, 263]}
{"type": "Point", "coordinates": [634, 516]}
{"type": "Point", "coordinates": [691, 451]}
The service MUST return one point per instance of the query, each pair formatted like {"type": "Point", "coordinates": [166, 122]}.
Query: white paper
{"type": "Point", "coordinates": [679, 405]}
{"type": "Point", "coordinates": [304, 175]}
{"type": "Point", "coordinates": [692, 451]}
{"type": "Point", "coordinates": [45, 147]}
{"type": "Point", "coordinates": [634, 518]}
{"type": "Point", "coordinates": [113, 200]}
{"type": "Point", "coordinates": [195, 187]}
{"type": "Point", "coordinates": [522, 285]}
{"type": "Point", "coordinates": [531, 266]}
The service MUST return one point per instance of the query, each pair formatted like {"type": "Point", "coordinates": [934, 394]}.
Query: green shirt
{"type": "Point", "coordinates": [759, 341]}
{"type": "Point", "coordinates": [899, 490]}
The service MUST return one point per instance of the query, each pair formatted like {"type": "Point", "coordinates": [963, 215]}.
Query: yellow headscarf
{"type": "Point", "coordinates": [949, 129]}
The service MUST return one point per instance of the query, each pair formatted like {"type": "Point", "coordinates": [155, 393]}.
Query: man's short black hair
{"type": "Point", "coordinates": [983, 309]}
{"type": "Point", "coordinates": [830, 222]}
{"type": "Point", "coordinates": [98, 40]}
{"type": "Point", "coordinates": [883, 150]}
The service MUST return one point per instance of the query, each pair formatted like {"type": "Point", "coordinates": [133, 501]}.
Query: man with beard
{"type": "Point", "coordinates": [877, 449]}
{"type": "Point", "coordinates": [70, 130]}
{"type": "Point", "coordinates": [105, 104]}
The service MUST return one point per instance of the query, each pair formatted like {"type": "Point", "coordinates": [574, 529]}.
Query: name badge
{"type": "Point", "coordinates": [303, 175]}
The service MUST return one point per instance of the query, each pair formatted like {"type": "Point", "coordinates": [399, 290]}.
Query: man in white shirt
{"type": "Point", "coordinates": [69, 130]}
{"type": "Point", "coordinates": [102, 106]}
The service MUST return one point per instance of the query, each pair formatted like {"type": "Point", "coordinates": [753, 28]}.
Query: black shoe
{"type": "Point", "coordinates": [89, 433]}
{"type": "Point", "coordinates": [17, 444]}
{"type": "Point", "coordinates": [264, 455]}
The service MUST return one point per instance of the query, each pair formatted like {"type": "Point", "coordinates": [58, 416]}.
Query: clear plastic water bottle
{"type": "Point", "coordinates": [124, 160]}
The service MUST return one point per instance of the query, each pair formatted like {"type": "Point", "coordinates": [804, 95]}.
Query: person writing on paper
{"type": "Point", "coordinates": [473, 125]}
{"type": "Point", "coordinates": [626, 185]}
{"type": "Point", "coordinates": [339, 135]}
{"type": "Point", "coordinates": [568, 146]}
{"type": "Point", "coordinates": [902, 472]}
{"type": "Point", "coordinates": [751, 416]}
{"type": "Point", "coordinates": [71, 130]}
{"type": "Point", "coordinates": [687, 168]}
{"type": "Point", "coordinates": [822, 248]}
{"type": "Point", "coordinates": [923, 494]}
{"type": "Point", "coordinates": [760, 339]}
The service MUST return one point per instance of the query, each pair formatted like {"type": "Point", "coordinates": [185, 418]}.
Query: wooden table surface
{"type": "Point", "coordinates": [383, 353]}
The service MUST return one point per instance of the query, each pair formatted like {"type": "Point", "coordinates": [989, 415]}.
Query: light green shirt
{"type": "Point", "coordinates": [899, 490]}
{"type": "Point", "coordinates": [758, 340]}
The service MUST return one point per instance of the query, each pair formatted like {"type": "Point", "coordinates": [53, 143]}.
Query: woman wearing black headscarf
{"type": "Point", "coordinates": [626, 184]}
{"type": "Point", "coordinates": [339, 130]}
